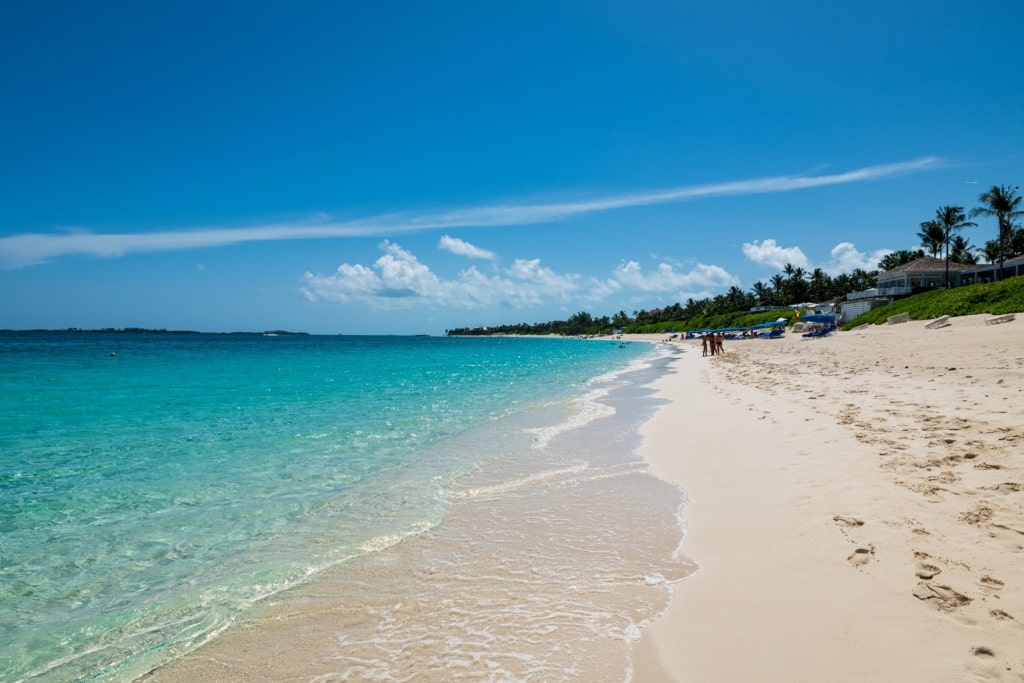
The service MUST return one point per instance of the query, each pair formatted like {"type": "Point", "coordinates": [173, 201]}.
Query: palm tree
{"type": "Point", "coordinates": [962, 251]}
{"type": "Point", "coordinates": [693, 308]}
{"type": "Point", "coordinates": [763, 293]}
{"type": "Point", "coordinates": [737, 299]}
{"type": "Point", "coordinates": [950, 219]}
{"type": "Point", "coordinates": [898, 258]}
{"type": "Point", "coordinates": [779, 287]}
{"type": "Point", "coordinates": [1003, 202]}
{"type": "Point", "coordinates": [863, 279]}
{"type": "Point", "coordinates": [797, 284]}
{"type": "Point", "coordinates": [991, 251]}
{"type": "Point", "coordinates": [931, 237]}
{"type": "Point", "coordinates": [819, 285]}
{"type": "Point", "coordinates": [1016, 241]}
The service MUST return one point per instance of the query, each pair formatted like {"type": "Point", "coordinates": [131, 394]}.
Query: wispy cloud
{"type": "Point", "coordinates": [463, 248]}
{"type": "Point", "coordinates": [34, 248]}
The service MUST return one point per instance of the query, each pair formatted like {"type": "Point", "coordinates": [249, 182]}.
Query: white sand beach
{"type": "Point", "coordinates": [855, 506]}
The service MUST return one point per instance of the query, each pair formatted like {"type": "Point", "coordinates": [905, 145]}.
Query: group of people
{"type": "Point", "coordinates": [712, 343]}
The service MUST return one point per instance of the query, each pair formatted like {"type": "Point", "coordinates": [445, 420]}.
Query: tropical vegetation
{"type": "Point", "coordinates": [939, 235]}
{"type": "Point", "coordinates": [731, 309]}
{"type": "Point", "coordinates": [950, 220]}
{"type": "Point", "coordinates": [1004, 204]}
{"type": "Point", "coordinates": [996, 298]}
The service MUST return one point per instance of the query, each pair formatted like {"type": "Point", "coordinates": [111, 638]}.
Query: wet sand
{"type": "Point", "coordinates": [554, 554]}
{"type": "Point", "coordinates": [855, 506]}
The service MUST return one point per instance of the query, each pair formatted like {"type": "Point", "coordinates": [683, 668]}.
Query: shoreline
{"type": "Point", "coordinates": [520, 578]}
{"type": "Point", "coordinates": [854, 505]}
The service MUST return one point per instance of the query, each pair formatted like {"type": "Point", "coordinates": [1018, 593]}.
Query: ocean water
{"type": "Point", "coordinates": [349, 508]}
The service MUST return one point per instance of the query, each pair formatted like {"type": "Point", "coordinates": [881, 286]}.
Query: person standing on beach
{"type": "Point", "coordinates": [704, 345]}
{"type": "Point", "coordinates": [719, 341]}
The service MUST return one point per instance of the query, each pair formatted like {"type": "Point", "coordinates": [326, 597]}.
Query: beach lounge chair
{"type": "Point", "coordinates": [817, 334]}
{"type": "Point", "coordinates": [1001, 319]}
{"type": "Point", "coordinates": [942, 321]}
{"type": "Point", "coordinates": [897, 319]}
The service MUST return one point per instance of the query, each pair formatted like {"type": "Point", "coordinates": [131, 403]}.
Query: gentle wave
{"type": "Point", "coordinates": [155, 499]}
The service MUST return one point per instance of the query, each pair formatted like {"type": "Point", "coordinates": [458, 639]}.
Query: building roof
{"type": "Point", "coordinates": [927, 265]}
{"type": "Point", "coordinates": [923, 266]}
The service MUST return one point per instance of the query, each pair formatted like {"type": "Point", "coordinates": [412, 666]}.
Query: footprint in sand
{"type": "Point", "coordinates": [1005, 487]}
{"type": "Point", "coordinates": [990, 584]}
{"type": "Point", "coordinates": [847, 521]}
{"type": "Point", "coordinates": [861, 556]}
{"type": "Point", "coordinates": [927, 571]}
{"type": "Point", "coordinates": [943, 597]}
{"type": "Point", "coordinates": [979, 515]}
{"type": "Point", "coordinates": [930, 493]}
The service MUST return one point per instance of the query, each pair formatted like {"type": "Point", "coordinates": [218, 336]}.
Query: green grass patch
{"type": "Point", "coordinates": [995, 298]}
{"type": "Point", "coordinates": [714, 322]}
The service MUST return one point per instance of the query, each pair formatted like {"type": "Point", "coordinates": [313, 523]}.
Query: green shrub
{"type": "Point", "coordinates": [995, 298]}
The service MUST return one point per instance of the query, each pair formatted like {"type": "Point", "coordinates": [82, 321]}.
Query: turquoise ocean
{"type": "Point", "coordinates": [421, 508]}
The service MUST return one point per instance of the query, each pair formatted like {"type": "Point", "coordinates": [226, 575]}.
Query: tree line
{"type": "Point", "coordinates": [793, 285]}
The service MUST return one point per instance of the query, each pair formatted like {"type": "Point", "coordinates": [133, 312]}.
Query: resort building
{"type": "Point", "coordinates": [986, 272]}
{"type": "Point", "coordinates": [921, 274]}
{"type": "Point", "coordinates": [926, 272]}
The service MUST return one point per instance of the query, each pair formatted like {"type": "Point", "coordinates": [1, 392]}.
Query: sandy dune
{"type": "Point", "coordinates": [856, 507]}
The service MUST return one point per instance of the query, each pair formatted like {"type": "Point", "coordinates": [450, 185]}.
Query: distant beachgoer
{"type": "Point", "coordinates": [704, 345]}
{"type": "Point", "coordinates": [719, 343]}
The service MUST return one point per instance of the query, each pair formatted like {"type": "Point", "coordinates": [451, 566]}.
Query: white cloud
{"type": "Point", "coordinates": [395, 275]}
{"type": "Point", "coordinates": [27, 249]}
{"type": "Point", "coordinates": [665, 278]}
{"type": "Point", "coordinates": [399, 280]}
{"type": "Point", "coordinates": [769, 253]}
{"type": "Point", "coordinates": [844, 257]}
{"type": "Point", "coordinates": [463, 248]}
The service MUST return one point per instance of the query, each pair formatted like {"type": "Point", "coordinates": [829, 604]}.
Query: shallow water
{"type": "Point", "coordinates": [355, 508]}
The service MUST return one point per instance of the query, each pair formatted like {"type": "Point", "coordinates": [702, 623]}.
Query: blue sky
{"type": "Point", "coordinates": [410, 167]}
